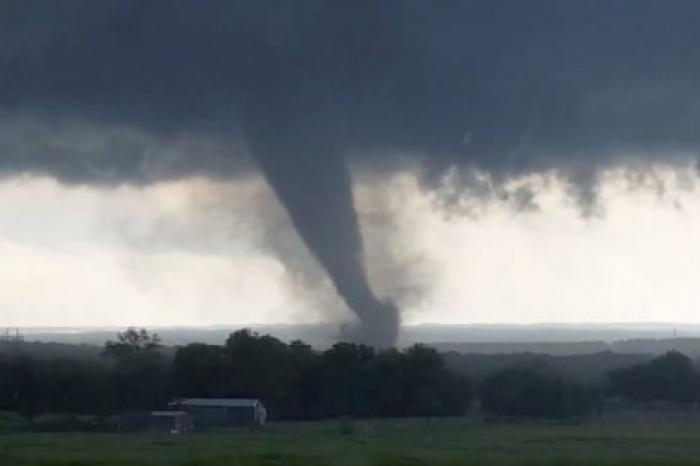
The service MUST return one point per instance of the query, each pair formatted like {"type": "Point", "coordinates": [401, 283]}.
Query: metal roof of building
{"type": "Point", "coordinates": [168, 413]}
{"type": "Point", "coordinates": [228, 402]}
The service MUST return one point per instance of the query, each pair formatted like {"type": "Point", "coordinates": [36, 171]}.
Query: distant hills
{"type": "Point", "coordinates": [553, 339]}
{"type": "Point", "coordinates": [688, 346]}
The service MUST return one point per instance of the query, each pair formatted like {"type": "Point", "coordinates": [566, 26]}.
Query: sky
{"type": "Point", "coordinates": [205, 162]}
{"type": "Point", "coordinates": [86, 256]}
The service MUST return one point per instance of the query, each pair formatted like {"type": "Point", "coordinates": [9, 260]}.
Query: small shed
{"type": "Point", "coordinates": [223, 412]}
{"type": "Point", "coordinates": [174, 422]}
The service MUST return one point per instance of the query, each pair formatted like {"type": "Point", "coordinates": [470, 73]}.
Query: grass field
{"type": "Point", "coordinates": [622, 440]}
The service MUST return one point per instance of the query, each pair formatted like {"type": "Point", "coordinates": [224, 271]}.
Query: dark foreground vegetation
{"type": "Point", "coordinates": [296, 382]}
{"type": "Point", "coordinates": [293, 380]}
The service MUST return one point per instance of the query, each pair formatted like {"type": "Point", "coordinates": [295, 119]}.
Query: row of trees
{"type": "Point", "coordinates": [133, 375]}
{"type": "Point", "coordinates": [535, 391]}
{"type": "Point", "coordinates": [294, 381]}
{"type": "Point", "coordinates": [298, 382]}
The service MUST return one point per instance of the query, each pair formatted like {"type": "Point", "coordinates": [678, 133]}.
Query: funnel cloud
{"type": "Point", "coordinates": [313, 183]}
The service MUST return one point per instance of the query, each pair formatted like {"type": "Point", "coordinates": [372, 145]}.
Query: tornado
{"type": "Point", "coordinates": [312, 181]}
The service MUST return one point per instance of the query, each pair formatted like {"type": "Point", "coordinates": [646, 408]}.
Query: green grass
{"type": "Point", "coordinates": [11, 422]}
{"type": "Point", "coordinates": [640, 440]}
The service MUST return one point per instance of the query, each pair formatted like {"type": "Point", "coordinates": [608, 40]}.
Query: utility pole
{"type": "Point", "coordinates": [12, 338]}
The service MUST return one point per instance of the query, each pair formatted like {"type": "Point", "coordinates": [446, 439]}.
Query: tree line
{"type": "Point", "coordinates": [297, 382]}
{"type": "Point", "coordinates": [293, 380]}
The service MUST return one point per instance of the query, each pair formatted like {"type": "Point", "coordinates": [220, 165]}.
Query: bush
{"type": "Point", "coordinates": [669, 377]}
{"type": "Point", "coordinates": [534, 391]}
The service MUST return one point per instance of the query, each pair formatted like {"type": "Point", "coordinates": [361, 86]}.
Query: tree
{"type": "Point", "coordinates": [669, 377]}
{"type": "Point", "coordinates": [23, 386]}
{"type": "Point", "coordinates": [33, 385]}
{"type": "Point", "coordinates": [305, 390]}
{"type": "Point", "coordinates": [132, 343]}
{"type": "Point", "coordinates": [259, 367]}
{"type": "Point", "coordinates": [344, 375]}
{"type": "Point", "coordinates": [533, 391]}
{"type": "Point", "coordinates": [429, 388]}
{"type": "Point", "coordinates": [139, 372]}
{"type": "Point", "coordinates": [200, 371]}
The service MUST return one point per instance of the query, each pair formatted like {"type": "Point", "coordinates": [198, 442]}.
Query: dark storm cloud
{"type": "Point", "coordinates": [501, 86]}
